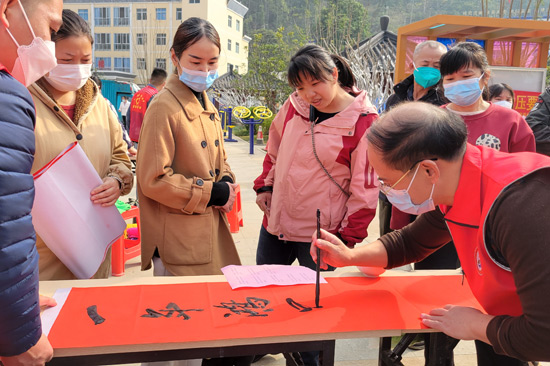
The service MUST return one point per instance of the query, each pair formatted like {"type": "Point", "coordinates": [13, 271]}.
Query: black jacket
{"type": "Point", "coordinates": [434, 96]}
{"type": "Point", "coordinates": [539, 121]}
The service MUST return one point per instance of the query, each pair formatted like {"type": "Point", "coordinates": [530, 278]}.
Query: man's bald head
{"type": "Point", "coordinates": [416, 131]}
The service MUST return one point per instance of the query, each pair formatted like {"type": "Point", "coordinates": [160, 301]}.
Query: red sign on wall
{"type": "Point", "coordinates": [524, 101]}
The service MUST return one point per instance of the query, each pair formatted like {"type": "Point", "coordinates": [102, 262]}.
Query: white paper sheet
{"type": "Point", "coordinates": [76, 230]}
{"type": "Point", "coordinates": [50, 314]}
{"type": "Point", "coordinates": [268, 274]}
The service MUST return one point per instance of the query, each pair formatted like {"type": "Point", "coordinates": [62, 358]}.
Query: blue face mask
{"type": "Point", "coordinates": [426, 76]}
{"type": "Point", "coordinates": [199, 81]}
{"type": "Point", "coordinates": [401, 199]}
{"type": "Point", "coordinates": [464, 92]}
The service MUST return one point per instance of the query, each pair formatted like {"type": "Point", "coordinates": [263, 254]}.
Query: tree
{"type": "Point", "coordinates": [268, 59]}
{"type": "Point", "coordinates": [343, 21]}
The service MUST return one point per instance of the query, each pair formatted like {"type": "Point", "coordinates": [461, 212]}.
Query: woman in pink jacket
{"type": "Point", "coordinates": [316, 158]}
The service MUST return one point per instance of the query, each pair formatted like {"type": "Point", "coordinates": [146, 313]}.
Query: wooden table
{"type": "Point", "coordinates": [308, 341]}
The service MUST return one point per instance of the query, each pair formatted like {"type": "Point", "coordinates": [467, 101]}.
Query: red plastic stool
{"type": "Point", "coordinates": [235, 216]}
{"type": "Point", "coordinates": [126, 249]}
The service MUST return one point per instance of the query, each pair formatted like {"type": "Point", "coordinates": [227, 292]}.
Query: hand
{"type": "Point", "coordinates": [231, 200]}
{"type": "Point", "coordinates": [132, 151]}
{"type": "Point", "coordinates": [107, 193]}
{"type": "Point", "coordinates": [333, 251]}
{"type": "Point", "coordinates": [46, 301]}
{"type": "Point", "coordinates": [37, 355]}
{"type": "Point", "coordinates": [263, 200]}
{"type": "Point", "coordinates": [459, 322]}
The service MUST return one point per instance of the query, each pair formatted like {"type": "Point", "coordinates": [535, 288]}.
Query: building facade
{"type": "Point", "coordinates": [132, 37]}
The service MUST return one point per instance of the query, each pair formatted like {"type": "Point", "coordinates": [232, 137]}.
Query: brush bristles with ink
{"type": "Point", "coordinates": [318, 267]}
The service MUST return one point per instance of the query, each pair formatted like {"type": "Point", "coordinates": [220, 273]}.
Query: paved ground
{"type": "Point", "coordinates": [354, 352]}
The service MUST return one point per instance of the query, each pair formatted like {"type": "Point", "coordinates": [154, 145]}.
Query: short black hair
{"type": "Point", "coordinates": [96, 79]}
{"type": "Point", "coordinates": [496, 89]}
{"type": "Point", "coordinates": [415, 131]}
{"type": "Point", "coordinates": [158, 76]}
{"type": "Point", "coordinates": [73, 25]}
{"type": "Point", "coordinates": [464, 54]}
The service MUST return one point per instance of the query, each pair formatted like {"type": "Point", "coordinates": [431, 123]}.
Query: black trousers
{"type": "Point", "coordinates": [445, 257]}
{"type": "Point", "coordinates": [486, 356]}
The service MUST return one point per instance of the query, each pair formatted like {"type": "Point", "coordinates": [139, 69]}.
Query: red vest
{"type": "Point", "coordinates": [485, 174]}
{"type": "Point", "coordinates": [138, 106]}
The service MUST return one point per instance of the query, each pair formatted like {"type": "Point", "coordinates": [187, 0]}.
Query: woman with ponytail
{"type": "Point", "coordinates": [316, 159]}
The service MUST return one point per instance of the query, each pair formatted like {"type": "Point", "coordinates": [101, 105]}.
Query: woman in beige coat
{"type": "Point", "coordinates": [70, 107]}
{"type": "Point", "coordinates": [185, 185]}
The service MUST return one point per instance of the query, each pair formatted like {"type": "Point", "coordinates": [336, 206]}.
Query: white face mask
{"type": "Point", "coordinates": [199, 81]}
{"type": "Point", "coordinates": [34, 60]}
{"type": "Point", "coordinates": [69, 77]}
{"type": "Point", "coordinates": [401, 199]}
{"type": "Point", "coordinates": [503, 103]}
{"type": "Point", "coordinates": [464, 92]}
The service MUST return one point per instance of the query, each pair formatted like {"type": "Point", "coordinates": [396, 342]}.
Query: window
{"type": "Point", "coordinates": [102, 16]}
{"type": "Point", "coordinates": [122, 41]}
{"type": "Point", "coordinates": [230, 68]}
{"type": "Point", "coordinates": [141, 14]}
{"type": "Point", "coordinates": [229, 21]}
{"type": "Point", "coordinates": [238, 25]}
{"type": "Point", "coordinates": [229, 45]}
{"type": "Point", "coordinates": [141, 39]}
{"type": "Point", "coordinates": [121, 16]}
{"type": "Point", "coordinates": [236, 68]}
{"type": "Point", "coordinates": [178, 14]}
{"type": "Point", "coordinates": [103, 63]}
{"type": "Point", "coordinates": [194, 1]}
{"type": "Point", "coordinates": [102, 41]}
{"type": "Point", "coordinates": [237, 47]}
{"type": "Point", "coordinates": [83, 13]}
{"type": "Point", "coordinates": [141, 64]}
{"type": "Point", "coordinates": [161, 39]}
{"type": "Point", "coordinates": [160, 63]}
{"type": "Point", "coordinates": [161, 13]}
{"type": "Point", "coordinates": [122, 64]}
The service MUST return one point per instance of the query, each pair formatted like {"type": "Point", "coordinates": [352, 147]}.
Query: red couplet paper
{"type": "Point", "coordinates": [114, 316]}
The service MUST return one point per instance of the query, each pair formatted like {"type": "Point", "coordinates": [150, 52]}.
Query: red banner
{"type": "Point", "coordinates": [112, 316]}
{"type": "Point", "coordinates": [524, 101]}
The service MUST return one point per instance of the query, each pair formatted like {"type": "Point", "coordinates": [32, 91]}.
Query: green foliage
{"type": "Point", "coordinates": [341, 21]}
{"type": "Point", "coordinates": [280, 27]}
{"type": "Point", "coordinates": [266, 125]}
{"type": "Point", "coordinates": [268, 60]}
{"type": "Point", "coordinates": [290, 14]}
{"type": "Point", "coordinates": [242, 130]}
{"type": "Point", "coordinates": [307, 14]}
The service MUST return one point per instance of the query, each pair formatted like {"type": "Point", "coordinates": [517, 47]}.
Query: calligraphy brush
{"type": "Point", "coordinates": [318, 267]}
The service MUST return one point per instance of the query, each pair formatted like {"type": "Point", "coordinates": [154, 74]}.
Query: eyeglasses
{"type": "Point", "coordinates": [386, 188]}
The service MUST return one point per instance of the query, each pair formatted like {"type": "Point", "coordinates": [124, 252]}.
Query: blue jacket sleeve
{"type": "Point", "coordinates": [20, 326]}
